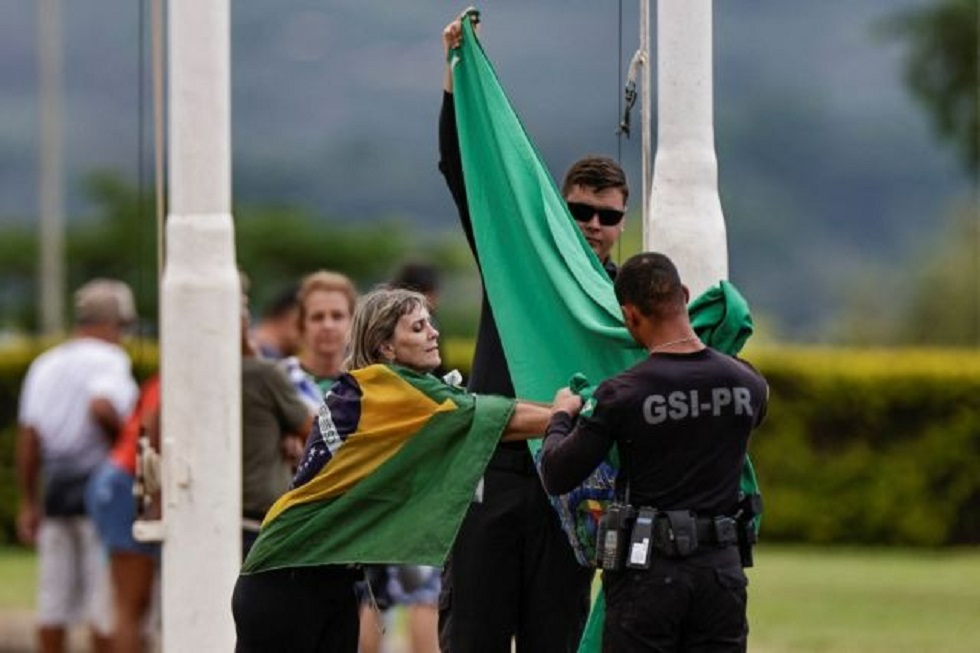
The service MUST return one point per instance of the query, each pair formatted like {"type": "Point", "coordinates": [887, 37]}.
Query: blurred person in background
{"type": "Point", "coordinates": [73, 402]}
{"type": "Point", "coordinates": [109, 498]}
{"type": "Point", "coordinates": [326, 304]}
{"type": "Point", "coordinates": [421, 277]}
{"type": "Point", "coordinates": [275, 423]}
{"type": "Point", "coordinates": [277, 333]}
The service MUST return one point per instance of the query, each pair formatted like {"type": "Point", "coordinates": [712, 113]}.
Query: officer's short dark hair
{"type": "Point", "coordinates": [650, 282]}
{"type": "Point", "coordinates": [597, 173]}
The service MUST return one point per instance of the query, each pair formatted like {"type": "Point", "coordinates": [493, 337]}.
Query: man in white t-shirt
{"type": "Point", "coordinates": [73, 400]}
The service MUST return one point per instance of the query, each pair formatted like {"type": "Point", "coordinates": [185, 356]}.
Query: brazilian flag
{"type": "Point", "coordinates": [388, 473]}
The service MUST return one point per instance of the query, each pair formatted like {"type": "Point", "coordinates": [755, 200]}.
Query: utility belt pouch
{"type": "Point", "coordinates": [750, 507]}
{"type": "Point", "coordinates": [725, 530]}
{"type": "Point", "coordinates": [675, 533]}
{"type": "Point", "coordinates": [747, 538]}
{"type": "Point", "coordinates": [752, 504]}
{"type": "Point", "coordinates": [641, 539]}
{"type": "Point", "coordinates": [613, 536]}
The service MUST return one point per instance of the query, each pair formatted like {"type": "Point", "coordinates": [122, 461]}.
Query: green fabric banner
{"type": "Point", "coordinates": [554, 304]}
{"type": "Point", "coordinates": [552, 300]}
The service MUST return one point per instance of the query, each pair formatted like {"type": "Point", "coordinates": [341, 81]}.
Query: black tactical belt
{"type": "Point", "coordinates": [681, 533]}
{"type": "Point", "coordinates": [717, 531]}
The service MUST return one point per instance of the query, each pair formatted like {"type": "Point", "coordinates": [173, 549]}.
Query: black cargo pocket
{"type": "Point", "coordinates": [732, 578]}
{"type": "Point", "coordinates": [733, 584]}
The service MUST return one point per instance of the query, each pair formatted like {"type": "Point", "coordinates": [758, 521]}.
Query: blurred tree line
{"type": "Point", "coordinates": [275, 246]}
{"type": "Point", "coordinates": [941, 69]}
{"type": "Point", "coordinates": [942, 304]}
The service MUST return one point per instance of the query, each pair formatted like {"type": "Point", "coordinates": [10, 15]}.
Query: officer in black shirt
{"type": "Point", "coordinates": [681, 420]}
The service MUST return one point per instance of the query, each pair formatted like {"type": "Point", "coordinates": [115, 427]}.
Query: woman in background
{"type": "Point", "coordinates": [110, 502]}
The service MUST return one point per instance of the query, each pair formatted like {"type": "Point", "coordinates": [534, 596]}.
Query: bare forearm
{"type": "Point", "coordinates": [528, 421]}
{"type": "Point", "coordinates": [105, 415]}
{"type": "Point", "coordinates": [151, 426]}
{"type": "Point", "coordinates": [28, 464]}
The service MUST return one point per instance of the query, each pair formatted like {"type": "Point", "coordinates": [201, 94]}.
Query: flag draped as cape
{"type": "Point", "coordinates": [388, 473]}
{"type": "Point", "coordinates": [553, 302]}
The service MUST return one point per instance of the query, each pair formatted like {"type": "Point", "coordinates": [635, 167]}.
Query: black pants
{"type": "Point", "coordinates": [301, 610]}
{"type": "Point", "coordinates": [695, 604]}
{"type": "Point", "coordinates": [512, 572]}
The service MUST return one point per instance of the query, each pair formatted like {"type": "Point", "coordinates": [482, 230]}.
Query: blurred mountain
{"type": "Point", "coordinates": [828, 171]}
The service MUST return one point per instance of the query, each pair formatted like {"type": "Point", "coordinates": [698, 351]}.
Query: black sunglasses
{"type": "Point", "coordinates": [584, 212]}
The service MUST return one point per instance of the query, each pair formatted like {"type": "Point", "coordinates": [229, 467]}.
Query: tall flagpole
{"type": "Point", "coordinates": [645, 110]}
{"type": "Point", "coordinates": [51, 268]}
{"type": "Point", "coordinates": [200, 340]}
{"type": "Point", "coordinates": [686, 220]}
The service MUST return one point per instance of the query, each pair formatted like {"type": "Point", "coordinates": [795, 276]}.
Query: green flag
{"type": "Point", "coordinates": [553, 302]}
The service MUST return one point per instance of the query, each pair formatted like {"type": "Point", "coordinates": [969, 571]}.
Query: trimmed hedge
{"type": "Point", "coordinates": [860, 446]}
{"type": "Point", "coordinates": [877, 447]}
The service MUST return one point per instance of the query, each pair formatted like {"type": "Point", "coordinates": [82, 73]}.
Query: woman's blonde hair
{"type": "Point", "coordinates": [375, 319]}
{"type": "Point", "coordinates": [328, 282]}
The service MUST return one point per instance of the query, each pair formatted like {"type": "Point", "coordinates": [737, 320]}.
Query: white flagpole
{"type": "Point", "coordinates": [645, 112]}
{"type": "Point", "coordinates": [200, 340]}
{"type": "Point", "coordinates": [51, 265]}
{"type": "Point", "coordinates": [686, 220]}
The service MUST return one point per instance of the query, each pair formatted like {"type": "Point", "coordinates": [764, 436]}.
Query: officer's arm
{"type": "Point", "coordinates": [570, 452]}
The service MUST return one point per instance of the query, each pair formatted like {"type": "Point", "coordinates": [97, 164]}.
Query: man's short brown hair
{"type": "Point", "coordinates": [596, 172]}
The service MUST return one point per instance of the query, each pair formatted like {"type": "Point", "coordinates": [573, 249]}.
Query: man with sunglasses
{"type": "Point", "coordinates": [596, 193]}
{"type": "Point", "coordinates": [512, 573]}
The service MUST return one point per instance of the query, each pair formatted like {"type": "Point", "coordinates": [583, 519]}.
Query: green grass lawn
{"type": "Point", "coordinates": [801, 599]}
{"type": "Point", "coordinates": [18, 574]}
{"type": "Point", "coordinates": [807, 599]}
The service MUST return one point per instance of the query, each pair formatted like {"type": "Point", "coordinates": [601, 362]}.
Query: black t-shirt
{"type": "Point", "coordinates": [682, 425]}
